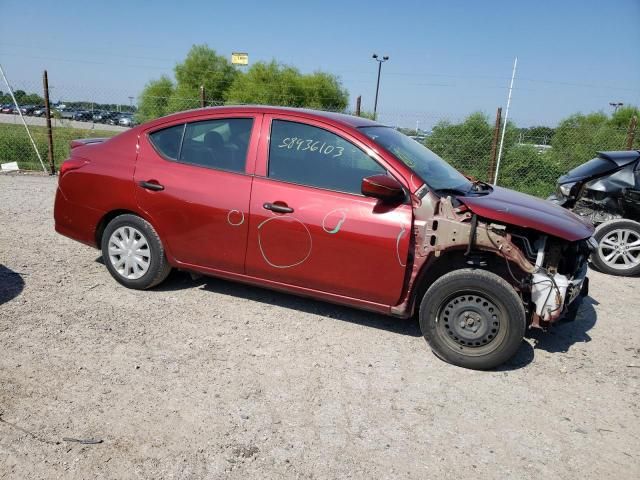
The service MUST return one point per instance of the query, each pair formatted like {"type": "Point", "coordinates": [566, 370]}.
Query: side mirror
{"type": "Point", "coordinates": [383, 187]}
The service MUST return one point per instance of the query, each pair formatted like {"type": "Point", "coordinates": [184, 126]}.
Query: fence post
{"type": "Point", "coordinates": [631, 132]}
{"type": "Point", "coordinates": [494, 144]}
{"type": "Point", "coordinates": [358, 102]}
{"type": "Point", "coordinates": [47, 110]}
{"type": "Point", "coordinates": [201, 96]}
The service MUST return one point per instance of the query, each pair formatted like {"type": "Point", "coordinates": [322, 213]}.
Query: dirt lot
{"type": "Point", "coordinates": [210, 379]}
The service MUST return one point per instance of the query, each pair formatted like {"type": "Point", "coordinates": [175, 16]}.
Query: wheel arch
{"type": "Point", "coordinates": [455, 259]}
{"type": "Point", "coordinates": [106, 218]}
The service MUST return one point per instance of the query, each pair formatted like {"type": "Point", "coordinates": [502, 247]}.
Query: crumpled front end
{"type": "Point", "coordinates": [559, 280]}
{"type": "Point", "coordinates": [549, 273]}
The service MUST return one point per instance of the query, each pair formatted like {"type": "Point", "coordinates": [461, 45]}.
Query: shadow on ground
{"type": "Point", "coordinates": [563, 335]}
{"type": "Point", "coordinates": [557, 339]}
{"type": "Point", "coordinates": [11, 284]}
{"type": "Point", "coordinates": [181, 280]}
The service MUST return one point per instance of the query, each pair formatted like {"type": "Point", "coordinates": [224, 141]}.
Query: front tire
{"type": "Point", "coordinates": [618, 248]}
{"type": "Point", "coordinates": [472, 319]}
{"type": "Point", "coordinates": [133, 253]}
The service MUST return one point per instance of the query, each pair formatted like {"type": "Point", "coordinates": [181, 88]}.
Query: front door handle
{"type": "Point", "coordinates": [276, 207]}
{"type": "Point", "coordinates": [152, 185]}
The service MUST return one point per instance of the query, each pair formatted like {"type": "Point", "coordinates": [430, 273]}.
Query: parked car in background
{"type": "Point", "coordinates": [28, 109]}
{"type": "Point", "coordinates": [606, 191]}
{"type": "Point", "coordinates": [112, 118]}
{"type": "Point", "coordinates": [82, 116]}
{"type": "Point", "coordinates": [8, 108]}
{"type": "Point", "coordinates": [39, 111]}
{"type": "Point", "coordinates": [67, 114]}
{"type": "Point", "coordinates": [330, 206]}
{"type": "Point", "coordinates": [99, 116]}
{"type": "Point", "coordinates": [126, 120]}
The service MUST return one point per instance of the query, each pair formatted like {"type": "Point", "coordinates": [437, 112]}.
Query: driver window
{"type": "Point", "coordinates": [312, 156]}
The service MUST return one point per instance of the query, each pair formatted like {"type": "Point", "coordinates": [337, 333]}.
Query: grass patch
{"type": "Point", "coordinates": [15, 145]}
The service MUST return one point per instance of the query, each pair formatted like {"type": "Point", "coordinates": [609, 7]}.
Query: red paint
{"type": "Point", "coordinates": [383, 187]}
{"type": "Point", "coordinates": [517, 208]}
{"type": "Point", "coordinates": [345, 248]}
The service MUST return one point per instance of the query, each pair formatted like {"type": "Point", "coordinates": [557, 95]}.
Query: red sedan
{"type": "Point", "coordinates": [329, 206]}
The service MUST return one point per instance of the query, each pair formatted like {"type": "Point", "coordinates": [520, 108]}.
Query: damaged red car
{"type": "Point", "coordinates": [330, 206]}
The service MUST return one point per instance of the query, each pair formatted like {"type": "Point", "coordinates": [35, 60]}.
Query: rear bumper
{"type": "Point", "coordinates": [77, 222]}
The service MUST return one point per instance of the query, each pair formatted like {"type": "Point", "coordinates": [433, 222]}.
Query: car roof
{"type": "Point", "coordinates": [330, 117]}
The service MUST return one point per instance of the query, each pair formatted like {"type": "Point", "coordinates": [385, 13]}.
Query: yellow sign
{"type": "Point", "coordinates": [238, 58]}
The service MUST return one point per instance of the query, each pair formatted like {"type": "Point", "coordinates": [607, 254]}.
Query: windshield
{"type": "Point", "coordinates": [438, 174]}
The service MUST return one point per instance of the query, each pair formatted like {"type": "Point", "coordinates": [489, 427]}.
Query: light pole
{"type": "Point", "coordinates": [616, 105]}
{"type": "Point", "coordinates": [380, 62]}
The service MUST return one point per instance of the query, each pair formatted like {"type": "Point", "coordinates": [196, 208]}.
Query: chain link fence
{"type": "Point", "coordinates": [532, 160]}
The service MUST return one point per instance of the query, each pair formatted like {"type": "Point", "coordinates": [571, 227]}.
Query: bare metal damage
{"type": "Point", "coordinates": [440, 227]}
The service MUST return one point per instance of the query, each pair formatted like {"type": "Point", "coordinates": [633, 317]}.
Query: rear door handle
{"type": "Point", "coordinates": [274, 207]}
{"type": "Point", "coordinates": [156, 187]}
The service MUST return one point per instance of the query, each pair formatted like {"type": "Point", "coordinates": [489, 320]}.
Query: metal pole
{"type": "Point", "coordinates": [201, 96]}
{"type": "Point", "coordinates": [47, 111]}
{"type": "Point", "coordinates": [358, 100]}
{"type": "Point", "coordinates": [506, 116]}
{"type": "Point", "coordinates": [375, 103]}
{"type": "Point", "coordinates": [15, 102]}
{"type": "Point", "coordinates": [494, 144]}
{"type": "Point", "coordinates": [631, 133]}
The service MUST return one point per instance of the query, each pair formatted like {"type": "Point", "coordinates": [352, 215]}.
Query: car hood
{"type": "Point", "coordinates": [508, 206]}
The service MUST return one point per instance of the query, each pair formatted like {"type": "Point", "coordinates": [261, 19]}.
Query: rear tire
{"type": "Point", "coordinates": [133, 253]}
{"type": "Point", "coordinates": [472, 319]}
{"type": "Point", "coordinates": [618, 241]}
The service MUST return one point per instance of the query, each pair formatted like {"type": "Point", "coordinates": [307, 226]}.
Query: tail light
{"type": "Point", "coordinates": [72, 164]}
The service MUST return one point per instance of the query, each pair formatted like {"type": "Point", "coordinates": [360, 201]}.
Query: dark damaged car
{"type": "Point", "coordinates": [329, 206]}
{"type": "Point", "coordinates": [606, 192]}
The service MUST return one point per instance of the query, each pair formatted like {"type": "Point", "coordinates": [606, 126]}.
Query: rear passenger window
{"type": "Point", "coordinates": [219, 144]}
{"type": "Point", "coordinates": [167, 141]}
{"type": "Point", "coordinates": [312, 156]}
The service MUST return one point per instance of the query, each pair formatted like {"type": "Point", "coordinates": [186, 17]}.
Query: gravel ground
{"type": "Point", "coordinates": [211, 379]}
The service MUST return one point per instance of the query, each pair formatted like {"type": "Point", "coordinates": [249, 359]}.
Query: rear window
{"type": "Point", "coordinates": [167, 141]}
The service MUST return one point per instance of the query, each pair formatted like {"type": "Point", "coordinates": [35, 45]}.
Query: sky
{"type": "Point", "coordinates": [447, 59]}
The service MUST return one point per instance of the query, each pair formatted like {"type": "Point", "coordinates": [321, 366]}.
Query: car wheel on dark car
{"type": "Point", "coordinates": [618, 250]}
{"type": "Point", "coordinates": [133, 252]}
{"type": "Point", "coordinates": [472, 319]}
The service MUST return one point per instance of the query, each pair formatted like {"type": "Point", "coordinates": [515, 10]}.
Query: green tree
{"type": "Point", "coordinates": [622, 117]}
{"type": "Point", "coordinates": [202, 67]}
{"type": "Point", "coordinates": [526, 169]}
{"type": "Point", "coordinates": [153, 102]}
{"type": "Point", "coordinates": [275, 84]}
{"type": "Point", "coordinates": [467, 145]}
{"type": "Point", "coordinates": [579, 137]}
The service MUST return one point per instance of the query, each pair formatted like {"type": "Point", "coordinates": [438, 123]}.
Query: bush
{"type": "Point", "coordinates": [15, 145]}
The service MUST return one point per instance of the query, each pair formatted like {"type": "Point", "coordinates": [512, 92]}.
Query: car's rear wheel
{"type": "Point", "coordinates": [133, 252]}
{"type": "Point", "coordinates": [618, 250]}
{"type": "Point", "coordinates": [473, 319]}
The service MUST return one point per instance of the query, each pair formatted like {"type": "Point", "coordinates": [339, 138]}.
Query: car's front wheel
{"type": "Point", "coordinates": [473, 319]}
{"type": "Point", "coordinates": [133, 252]}
{"type": "Point", "coordinates": [618, 247]}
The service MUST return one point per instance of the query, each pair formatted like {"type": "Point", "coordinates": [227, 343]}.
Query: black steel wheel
{"type": "Point", "coordinates": [473, 319]}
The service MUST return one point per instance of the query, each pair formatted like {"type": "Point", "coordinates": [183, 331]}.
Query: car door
{"type": "Point", "coordinates": [193, 179]}
{"type": "Point", "coordinates": [309, 224]}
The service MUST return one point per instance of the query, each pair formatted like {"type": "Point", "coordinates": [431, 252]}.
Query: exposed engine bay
{"type": "Point", "coordinates": [548, 273]}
